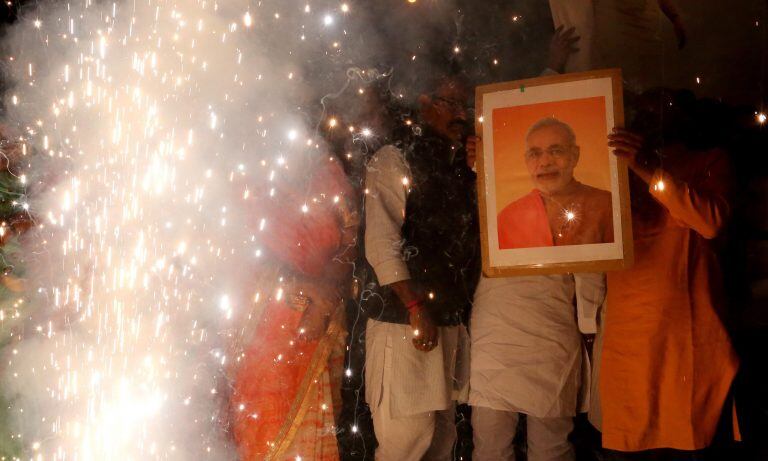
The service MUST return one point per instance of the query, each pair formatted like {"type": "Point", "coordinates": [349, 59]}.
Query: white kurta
{"type": "Point", "coordinates": [526, 352]}
{"type": "Point", "coordinates": [418, 381]}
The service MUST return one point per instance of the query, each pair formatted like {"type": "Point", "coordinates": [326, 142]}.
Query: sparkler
{"type": "Point", "coordinates": [161, 122]}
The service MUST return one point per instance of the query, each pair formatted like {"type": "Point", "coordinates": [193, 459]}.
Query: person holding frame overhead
{"type": "Point", "coordinates": [527, 354]}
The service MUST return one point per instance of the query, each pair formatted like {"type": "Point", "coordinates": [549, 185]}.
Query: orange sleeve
{"type": "Point", "coordinates": [701, 204]}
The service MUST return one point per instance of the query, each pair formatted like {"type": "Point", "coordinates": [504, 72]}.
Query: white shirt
{"type": "Point", "coordinates": [386, 183]}
{"type": "Point", "coordinates": [526, 353]}
{"type": "Point", "coordinates": [418, 381]}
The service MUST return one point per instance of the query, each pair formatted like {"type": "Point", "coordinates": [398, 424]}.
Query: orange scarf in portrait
{"type": "Point", "coordinates": [524, 223]}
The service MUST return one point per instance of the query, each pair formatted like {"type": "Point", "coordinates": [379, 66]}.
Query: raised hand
{"type": "Point", "coordinates": [561, 47]}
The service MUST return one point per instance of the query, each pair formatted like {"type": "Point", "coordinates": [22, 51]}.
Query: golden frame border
{"type": "Point", "coordinates": [623, 181]}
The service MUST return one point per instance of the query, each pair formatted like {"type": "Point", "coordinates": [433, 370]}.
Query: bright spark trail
{"type": "Point", "coordinates": [160, 125]}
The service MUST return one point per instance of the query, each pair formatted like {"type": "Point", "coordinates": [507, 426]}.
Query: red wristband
{"type": "Point", "coordinates": [414, 305]}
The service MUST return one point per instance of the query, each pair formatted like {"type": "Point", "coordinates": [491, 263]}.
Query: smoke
{"type": "Point", "coordinates": [160, 127]}
{"type": "Point", "coordinates": [151, 133]}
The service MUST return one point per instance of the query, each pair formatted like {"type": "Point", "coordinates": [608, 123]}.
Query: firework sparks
{"type": "Point", "coordinates": [131, 104]}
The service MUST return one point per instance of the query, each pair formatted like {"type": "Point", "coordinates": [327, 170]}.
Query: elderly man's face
{"type": "Point", "coordinates": [551, 158]}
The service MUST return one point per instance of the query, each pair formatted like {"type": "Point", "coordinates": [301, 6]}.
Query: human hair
{"type": "Point", "coordinates": [553, 122]}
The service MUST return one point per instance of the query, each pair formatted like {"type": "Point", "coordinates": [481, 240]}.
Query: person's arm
{"type": "Point", "coordinates": [385, 201]}
{"type": "Point", "coordinates": [702, 206]}
{"type": "Point", "coordinates": [385, 197]}
{"type": "Point", "coordinates": [669, 8]}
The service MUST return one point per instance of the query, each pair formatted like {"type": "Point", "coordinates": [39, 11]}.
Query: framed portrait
{"type": "Point", "coordinates": [552, 197]}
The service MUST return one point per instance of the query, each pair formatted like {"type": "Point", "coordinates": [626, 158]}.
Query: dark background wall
{"type": "Point", "coordinates": [725, 48]}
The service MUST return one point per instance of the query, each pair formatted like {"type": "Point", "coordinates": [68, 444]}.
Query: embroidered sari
{"type": "Point", "coordinates": [286, 390]}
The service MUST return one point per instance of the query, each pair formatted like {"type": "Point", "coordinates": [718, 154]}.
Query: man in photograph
{"type": "Point", "coordinates": [559, 210]}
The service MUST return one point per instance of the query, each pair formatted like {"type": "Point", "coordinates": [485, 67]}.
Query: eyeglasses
{"type": "Point", "coordinates": [557, 152]}
{"type": "Point", "coordinates": [451, 104]}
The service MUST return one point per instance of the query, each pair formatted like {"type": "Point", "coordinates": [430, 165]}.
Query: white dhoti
{"type": "Point", "coordinates": [411, 393]}
{"type": "Point", "coordinates": [527, 356]}
{"type": "Point", "coordinates": [527, 352]}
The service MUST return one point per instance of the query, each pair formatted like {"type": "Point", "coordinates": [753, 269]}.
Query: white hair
{"type": "Point", "coordinates": [550, 122]}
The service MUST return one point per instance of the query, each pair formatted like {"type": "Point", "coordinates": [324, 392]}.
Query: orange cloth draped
{"type": "Point", "coordinates": [524, 223]}
{"type": "Point", "coordinates": [667, 360]}
{"type": "Point", "coordinates": [532, 222]}
{"type": "Point", "coordinates": [283, 398]}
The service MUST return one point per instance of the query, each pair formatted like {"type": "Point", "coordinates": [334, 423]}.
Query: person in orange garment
{"type": "Point", "coordinates": [560, 210]}
{"type": "Point", "coordinates": [286, 390]}
{"type": "Point", "coordinates": [667, 361]}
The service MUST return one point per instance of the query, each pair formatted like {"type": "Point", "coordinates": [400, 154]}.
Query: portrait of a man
{"type": "Point", "coordinates": [553, 199]}
{"type": "Point", "coordinates": [560, 210]}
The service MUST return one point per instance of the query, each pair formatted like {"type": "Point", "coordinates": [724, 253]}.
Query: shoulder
{"type": "Point", "coordinates": [386, 167]}
{"type": "Point", "coordinates": [594, 194]}
{"type": "Point", "coordinates": [387, 155]}
{"type": "Point", "coordinates": [522, 205]}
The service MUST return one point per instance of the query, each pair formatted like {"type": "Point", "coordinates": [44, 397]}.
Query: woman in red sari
{"type": "Point", "coordinates": [287, 383]}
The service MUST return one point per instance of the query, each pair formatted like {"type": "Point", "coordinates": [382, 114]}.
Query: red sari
{"type": "Point", "coordinates": [285, 391]}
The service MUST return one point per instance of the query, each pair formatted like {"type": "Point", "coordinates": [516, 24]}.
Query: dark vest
{"type": "Point", "coordinates": [441, 244]}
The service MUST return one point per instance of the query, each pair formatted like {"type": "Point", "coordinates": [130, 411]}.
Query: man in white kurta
{"type": "Point", "coordinates": [410, 392]}
{"type": "Point", "coordinates": [527, 358]}
{"type": "Point", "coordinates": [417, 199]}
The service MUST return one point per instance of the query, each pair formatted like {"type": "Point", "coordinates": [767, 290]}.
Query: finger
{"type": "Point", "coordinates": [634, 137]}
{"type": "Point", "coordinates": [627, 136]}
{"type": "Point", "coordinates": [624, 142]}
{"type": "Point", "coordinates": [569, 32]}
{"type": "Point", "coordinates": [573, 40]}
{"type": "Point", "coordinates": [623, 148]}
{"type": "Point", "coordinates": [559, 29]}
{"type": "Point", "coordinates": [423, 347]}
{"type": "Point", "coordinates": [622, 153]}
{"type": "Point", "coordinates": [621, 130]}
{"type": "Point", "coordinates": [427, 346]}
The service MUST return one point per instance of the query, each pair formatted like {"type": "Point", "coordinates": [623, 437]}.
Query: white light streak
{"type": "Point", "coordinates": [138, 110]}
